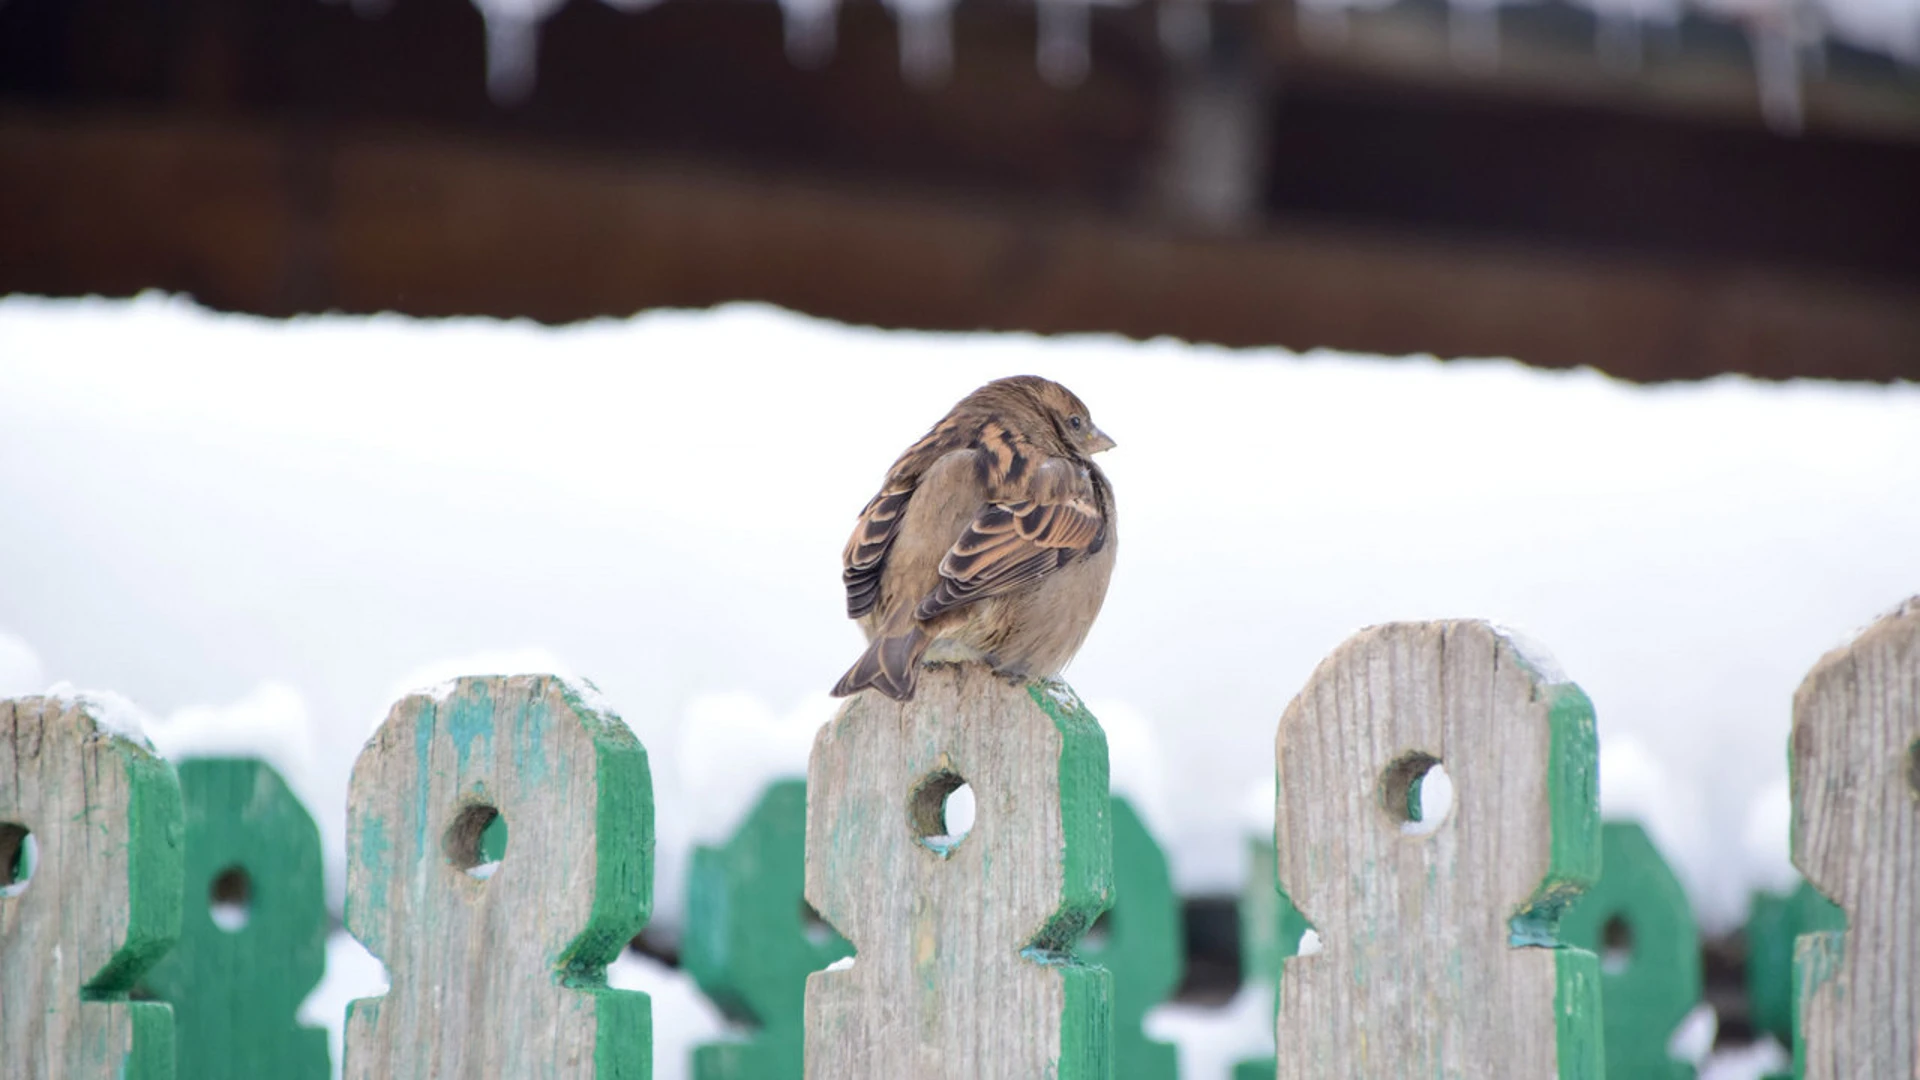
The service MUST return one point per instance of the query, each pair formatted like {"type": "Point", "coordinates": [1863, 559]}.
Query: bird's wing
{"type": "Point", "coordinates": [866, 553]}
{"type": "Point", "coordinates": [1014, 541]}
{"type": "Point", "coordinates": [865, 556]}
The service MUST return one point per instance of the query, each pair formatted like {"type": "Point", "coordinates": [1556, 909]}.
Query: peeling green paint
{"type": "Point", "coordinates": [538, 984]}
{"type": "Point", "coordinates": [469, 719]}
{"type": "Point", "coordinates": [1816, 959]}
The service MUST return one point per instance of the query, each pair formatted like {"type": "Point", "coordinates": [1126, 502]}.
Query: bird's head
{"type": "Point", "coordinates": [1044, 408]}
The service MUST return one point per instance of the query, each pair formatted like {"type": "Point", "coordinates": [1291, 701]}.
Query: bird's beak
{"type": "Point", "coordinates": [1099, 442]}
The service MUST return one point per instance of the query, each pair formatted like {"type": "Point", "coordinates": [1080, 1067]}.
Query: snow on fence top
{"type": "Point", "coordinates": [1443, 947]}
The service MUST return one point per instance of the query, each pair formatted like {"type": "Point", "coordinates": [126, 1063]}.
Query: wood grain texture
{"type": "Point", "coordinates": [102, 901]}
{"type": "Point", "coordinates": [1425, 969]}
{"type": "Point", "coordinates": [1856, 837]}
{"type": "Point", "coordinates": [964, 967]}
{"type": "Point", "coordinates": [235, 990]}
{"type": "Point", "coordinates": [747, 941]}
{"type": "Point", "coordinates": [1649, 989]}
{"type": "Point", "coordinates": [501, 977]}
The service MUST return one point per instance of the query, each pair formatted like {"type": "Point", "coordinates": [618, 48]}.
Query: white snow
{"type": "Point", "coordinates": [682, 1017]}
{"type": "Point", "coordinates": [436, 679]}
{"type": "Point", "coordinates": [1636, 785]}
{"type": "Point", "coordinates": [732, 746]}
{"type": "Point", "coordinates": [1766, 838]}
{"type": "Point", "coordinates": [270, 722]}
{"type": "Point", "coordinates": [113, 713]}
{"type": "Point", "coordinates": [1748, 1062]}
{"type": "Point", "coordinates": [352, 972]}
{"type": "Point", "coordinates": [302, 519]}
{"type": "Point", "coordinates": [1693, 1039]}
{"type": "Point", "coordinates": [388, 492]}
{"type": "Point", "coordinates": [21, 673]}
{"type": "Point", "coordinates": [1211, 1041]}
{"type": "Point", "coordinates": [1546, 667]}
{"type": "Point", "coordinates": [1135, 764]}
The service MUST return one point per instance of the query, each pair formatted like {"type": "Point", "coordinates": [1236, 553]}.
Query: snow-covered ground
{"type": "Point", "coordinates": [262, 532]}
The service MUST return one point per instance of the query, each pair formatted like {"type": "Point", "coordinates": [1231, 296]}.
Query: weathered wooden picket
{"type": "Point", "coordinates": [90, 859]}
{"type": "Point", "coordinates": [965, 963]}
{"type": "Point", "coordinates": [1855, 769]}
{"type": "Point", "coordinates": [1508, 933]}
{"type": "Point", "coordinates": [1438, 949]}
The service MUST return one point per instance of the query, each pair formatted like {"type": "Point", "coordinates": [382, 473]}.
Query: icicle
{"type": "Point", "coordinates": [1186, 28]}
{"type": "Point", "coordinates": [1887, 26]}
{"type": "Point", "coordinates": [513, 49]}
{"type": "Point", "coordinates": [1323, 24]}
{"type": "Point", "coordinates": [811, 33]}
{"type": "Point", "coordinates": [1064, 53]}
{"type": "Point", "coordinates": [926, 40]}
{"type": "Point", "coordinates": [1776, 67]}
{"type": "Point", "coordinates": [1619, 42]}
{"type": "Point", "coordinates": [1813, 57]}
{"type": "Point", "coordinates": [1473, 34]}
{"type": "Point", "coordinates": [513, 45]}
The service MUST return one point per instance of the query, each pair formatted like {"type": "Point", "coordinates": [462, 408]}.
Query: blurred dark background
{"type": "Point", "coordinates": [1534, 181]}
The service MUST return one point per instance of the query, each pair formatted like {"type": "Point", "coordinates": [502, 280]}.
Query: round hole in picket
{"type": "Point", "coordinates": [477, 841]}
{"type": "Point", "coordinates": [1417, 793]}
{"type": "Point", "coordinates": [230, 899]}
{"type": "Point", "coordinates": [19, 854]}
{"type": "Point", "coordinates": [1616, 945]}
{"type": "Point", "coordinates": [940, 811]}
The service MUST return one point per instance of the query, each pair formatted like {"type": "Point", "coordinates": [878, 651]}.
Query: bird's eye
{"type": "Point", "coordinates": [1075, 421]}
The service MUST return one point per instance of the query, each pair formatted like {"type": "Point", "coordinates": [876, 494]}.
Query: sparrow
{"type": "Point", "coordinates": [991, 540]}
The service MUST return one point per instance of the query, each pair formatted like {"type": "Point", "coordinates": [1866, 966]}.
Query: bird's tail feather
{"type": "Point", "coordinates": [890, 665]}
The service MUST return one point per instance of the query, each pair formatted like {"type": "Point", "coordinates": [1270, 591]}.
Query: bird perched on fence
{"type": "Point", "coordinates": [991, 540]}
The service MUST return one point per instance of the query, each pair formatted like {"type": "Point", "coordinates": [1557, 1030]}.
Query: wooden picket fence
{"type": "Point", "coordinates": [1462, 945]}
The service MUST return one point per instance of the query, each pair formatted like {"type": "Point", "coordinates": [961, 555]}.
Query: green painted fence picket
{"type": "Point", "coordinates": [1636, 918]}
{"type": "Point", "coordinates": [1270, 931]}
{"type": "Point", "coordinates": [500, 846]}
{"type": "Point", "coordinates": [1774, 923]}
{"type": "Point", "coordinates": [253, 935]}
{"type": "Point", "coordinates": [1141, 942]}
{"type": "Point", "coordinates": [751, 939]}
